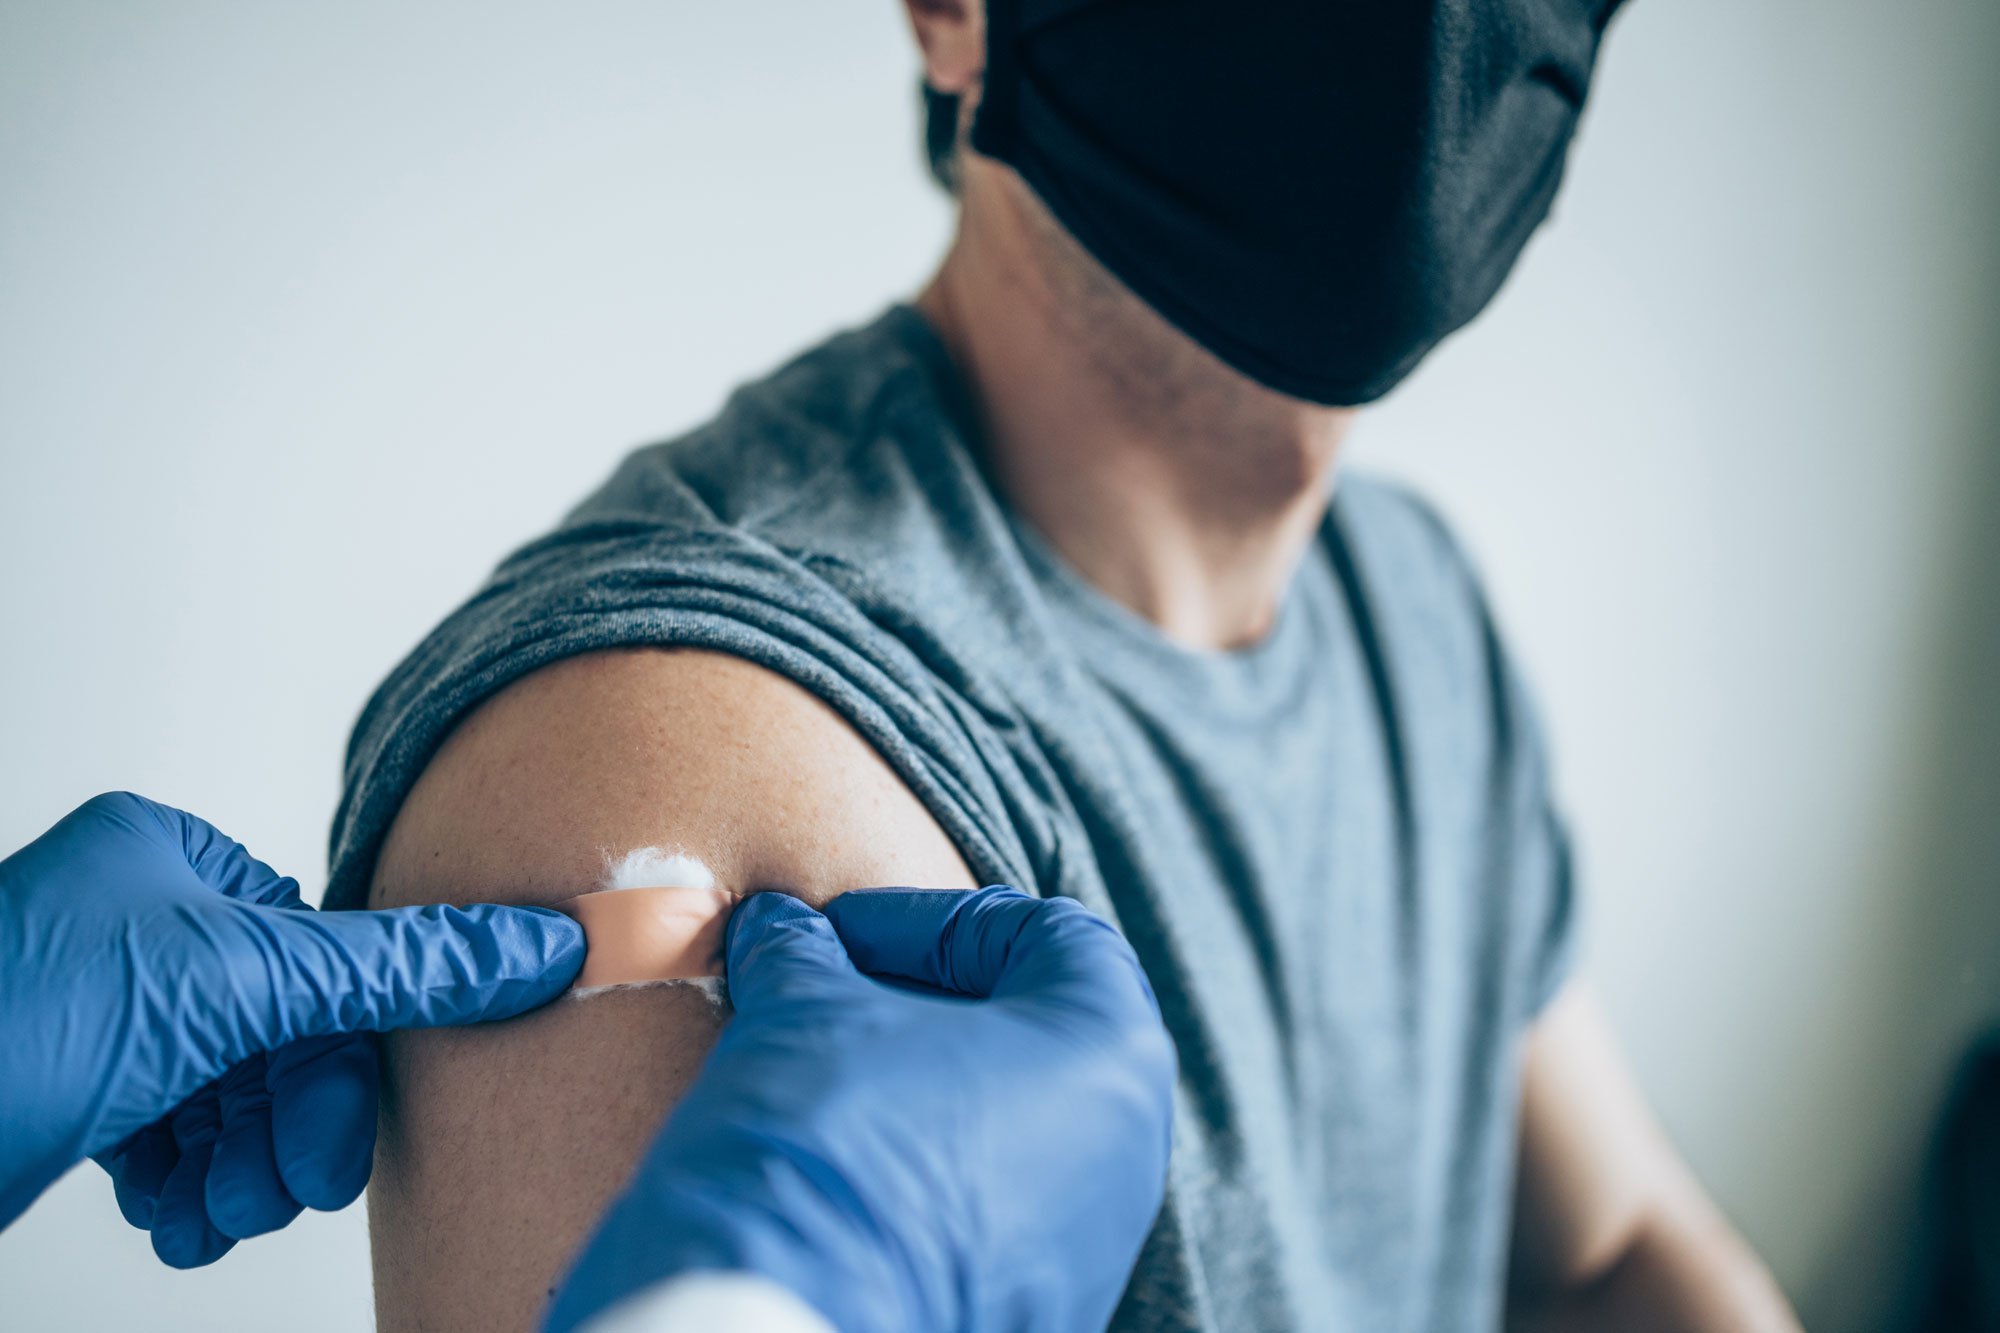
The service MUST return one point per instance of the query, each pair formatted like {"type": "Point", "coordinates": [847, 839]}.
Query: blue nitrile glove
{"type": "Point", "coordinates": [902, 1160]}
{"type": "Point", "coordinates": [168, 1005]}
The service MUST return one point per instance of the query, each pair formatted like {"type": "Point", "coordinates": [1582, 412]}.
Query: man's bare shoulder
{"type": "Point", "coordinates": [709, 753]}
{"type": "Point", "coordinates": [502, 1143]}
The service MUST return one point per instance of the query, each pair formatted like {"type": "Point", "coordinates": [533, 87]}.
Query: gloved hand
{"type": "Point", "coordinates": [904, 1160]}
{"type": "Point", "coordinates": [168, 1005]}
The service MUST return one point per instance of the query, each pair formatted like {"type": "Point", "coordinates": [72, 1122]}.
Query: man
{"type": "Point", "coordinates": [1044, 579]}
{"type": "Point", "coordinates": [170, 1007]}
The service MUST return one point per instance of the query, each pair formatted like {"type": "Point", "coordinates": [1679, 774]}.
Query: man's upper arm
{"type": "Point", "coordinates": [501, 1144]}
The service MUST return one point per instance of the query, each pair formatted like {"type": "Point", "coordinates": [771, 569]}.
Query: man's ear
{"type": "Point", "coordinates": [952, 36]}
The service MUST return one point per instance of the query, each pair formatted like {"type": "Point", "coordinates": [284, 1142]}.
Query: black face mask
{"type": "Point", "coordinates": [1317, 191]}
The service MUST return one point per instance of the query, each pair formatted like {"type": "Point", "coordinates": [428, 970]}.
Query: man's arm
{"type": "Point", "coordinates": [501, 1146]}
{"type": "Point", "coordinates": [1611, 1231]}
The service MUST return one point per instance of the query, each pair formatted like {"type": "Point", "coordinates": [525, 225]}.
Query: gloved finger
{"type": "Point", "coordinates": [898, 933]}
{"type": "Point", "coordinates": [139, 1168]}
{"type": "Point", "coordinates": [218, 860]}
{"type": "Point", "coordinates": [244, 1195]}
{"type": "Point", "coordinates": [336, 972]}
{"type": "Point", "coordinates": [183, 1237]}
{"type": "Point", "coordinates": [956, 941]}
{"type": "Point", "coordinates": [994, 942]}
{"type": "Point", "coordinates": [323, 1105]}
{"type": "Point", "coordinates": [1067, 953]}
{"type": "Point", "coordinates": [782, 952]}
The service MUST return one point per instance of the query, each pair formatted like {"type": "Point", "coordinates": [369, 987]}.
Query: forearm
{"type": "Point", "coordinates": [1675, 1274]}
{"type": "Point", "coordinates": [1611, 1229]}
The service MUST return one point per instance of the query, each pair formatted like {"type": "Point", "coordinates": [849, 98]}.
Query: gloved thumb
{"type": "Point", "coordinates": [782, 952]}
{"type": "Point", "coordinates": [994, 942]}
{"type": "Point", "coordinates": [955, 941]}
{"type": "Point", "coordinates": [433, 966]}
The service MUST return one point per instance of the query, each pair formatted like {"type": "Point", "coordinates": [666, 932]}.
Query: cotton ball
{"type": "Point", "coordinates": [657, 867]}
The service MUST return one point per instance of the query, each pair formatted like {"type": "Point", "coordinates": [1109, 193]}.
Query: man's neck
{"type": "Point", "coordinates": [1172, 484]}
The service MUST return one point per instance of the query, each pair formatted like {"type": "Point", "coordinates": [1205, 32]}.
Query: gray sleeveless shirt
{"type": "Point", "coordinates": [1334, 851]}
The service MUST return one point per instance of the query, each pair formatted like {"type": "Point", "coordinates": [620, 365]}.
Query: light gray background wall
{"type": "Point", "coordinates": [309, 313]}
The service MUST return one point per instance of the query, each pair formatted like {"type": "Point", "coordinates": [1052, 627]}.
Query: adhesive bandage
{"type": "Point", "coordinates": [659, 917]}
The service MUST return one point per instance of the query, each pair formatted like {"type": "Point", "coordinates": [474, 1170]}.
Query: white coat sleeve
{"type": "Point", "coordinates": [711, 1303]}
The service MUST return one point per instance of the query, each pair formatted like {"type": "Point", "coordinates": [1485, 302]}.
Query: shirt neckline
{"type": "Point", "coordinates": [1111, 638]}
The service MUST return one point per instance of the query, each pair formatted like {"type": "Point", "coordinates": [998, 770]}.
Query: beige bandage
{"type": "Point", "coordinates": [661, 919]}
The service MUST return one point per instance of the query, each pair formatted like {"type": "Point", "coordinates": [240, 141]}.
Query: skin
{"type": "Point", "coordinates": [1177, 487]}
